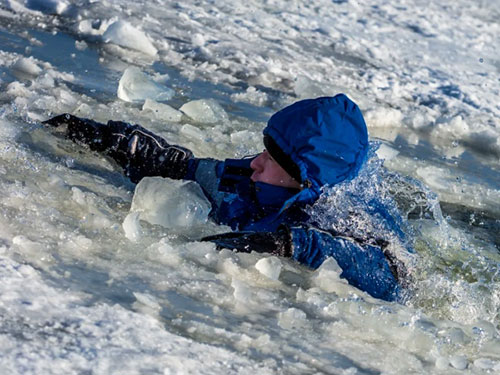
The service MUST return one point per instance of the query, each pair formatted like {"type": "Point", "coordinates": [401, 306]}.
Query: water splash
{"type": "Point", "coordinates": [453, 275]}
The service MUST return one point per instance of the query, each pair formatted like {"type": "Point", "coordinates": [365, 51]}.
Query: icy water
{"type": "Point", "coordinates": [87, 288]}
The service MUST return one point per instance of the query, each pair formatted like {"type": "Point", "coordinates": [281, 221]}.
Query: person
{"type": "Point", "coordinates": [310, 144]}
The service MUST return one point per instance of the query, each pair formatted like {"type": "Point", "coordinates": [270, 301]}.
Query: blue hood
{"type": "Point", "coordinates": [326, 138]}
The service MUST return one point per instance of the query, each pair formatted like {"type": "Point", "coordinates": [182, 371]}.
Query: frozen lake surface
{"type": "Point", "coordinates": [95, 280]}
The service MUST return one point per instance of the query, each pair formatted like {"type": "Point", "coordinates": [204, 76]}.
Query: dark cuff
{"type": "Point", "coordinates": [285, 242]}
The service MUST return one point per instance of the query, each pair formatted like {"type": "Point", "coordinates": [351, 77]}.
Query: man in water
{"type": "Point", "coordinates": [309, 145]}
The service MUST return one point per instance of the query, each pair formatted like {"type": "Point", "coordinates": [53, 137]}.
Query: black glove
{"type": "Point", "coordinates": [278, 243]}
{"type": "Point", "coordinates": [84, 131]}
{"type": "Point", "coordinates": [140, 152]}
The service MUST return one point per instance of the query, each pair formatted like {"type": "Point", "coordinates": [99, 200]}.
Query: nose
{"type": "Point", "coordinates": [257, 164]}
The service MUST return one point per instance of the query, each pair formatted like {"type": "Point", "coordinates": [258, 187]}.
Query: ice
{"type": "Point", "coordinates": [451, 187]}
{"type": "Point", "coordinates": [384, 117]}
{"type": "Point", "coordinates": [146, 304]}
{"type": "Point", "coordinates": [245, 137]}
{"type": "Point", "coordinates": [252, 96]}
{"type": "Point", "coordinates": [35, 250]}
{"type": "Point", "coordinates": [442, 363]}
{"type": "Point", "coordinates": [269, 267]}
{"type": "Point", "coordinates": [386, 153]}
{"type": "Point", "coordinates": [17, 89]}
{"type": "Point", "coordinates": [132, 227]}
{"type": "Point", "coordinates": [135, 86]}
{"type": "Point", "coordinates": [81, 45]}
{"type": "Point", "coordinates": [292, 318]}
{"type": "Point", "coordinates": [48, 6]}
{"type": "Point", "coordinates": [484, 363]}
{"type": "Point", "coordinates": [126, 35]}
{"type": "Point", "coordinates": [170, 203]}
{"type": "Point", "coordinates": [307, 88]}
{"type": "Point", "coordinates": [162, 111]}
{"type": "Point", "coordinates": [204, 111]}
{"type": "Point", "coordinates": [242, 292]}
{"type": "Point", "coordinates": [192, 132]}
{"type": "Point", "coordinates": [101, 338]}
{"type": "Point", "coordinates": [27, 66]}
{"type": "Point", "coordinates": [459, 362]}
{"type": "Point", "coordinates": [327, 277]}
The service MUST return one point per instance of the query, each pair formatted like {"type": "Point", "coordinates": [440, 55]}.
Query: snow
{"type": "Point", "coordinates": [38, 310]}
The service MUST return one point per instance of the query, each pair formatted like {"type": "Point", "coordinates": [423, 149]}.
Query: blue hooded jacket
{"type": "Point", "coordinates": [319, 142]}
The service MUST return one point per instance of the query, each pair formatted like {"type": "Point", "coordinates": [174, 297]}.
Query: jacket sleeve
{"type": "Point", "coordinates": [363, 265]}
{"type": "Point", "coordinates": [137, 150]}
{"type": "Point", "coordinates": [207, 173]}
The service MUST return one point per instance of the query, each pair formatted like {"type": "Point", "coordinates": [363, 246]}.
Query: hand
{"type": "Point", "coordinates": [91, 133]}
{"type": "Point", "coordinates": [278, 243]}
{"type": "Point", "coordinates": [138, 151]}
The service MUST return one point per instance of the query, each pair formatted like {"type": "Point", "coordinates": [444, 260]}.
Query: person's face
{"type": "Point", "coordinates": [266, 169]}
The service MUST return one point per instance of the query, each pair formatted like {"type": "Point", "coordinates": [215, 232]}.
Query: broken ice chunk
{"type": "Point", "coordinates": [385, 152]}
{"type": "Point", "coordinates": [327, 277]}
{"type": "Point", "coordinates": [132, 227]}
{"type": "Point", "coordinates": [170, 203]}
{"type": "Point", "coordinates": [26, 66]}
{"type": "Point", "coordinates": [162, 111]}
{"type": "Point", "coordinates": [135, 86]}
{"type": "Point", "coordinates": [270, 267]}
{"type": "Point", "coordinates": [292, 318]}
{"type": "Point", "coordinates": [124, 34]}
{"type": "Point", "coordinates": [205, 111]}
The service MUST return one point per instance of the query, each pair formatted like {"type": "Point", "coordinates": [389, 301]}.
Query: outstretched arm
{"type": "Point", "coordinates": [137, 150]}
{"type": "Point", "coordinates": [366, 266]}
